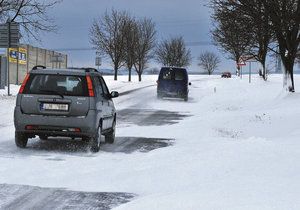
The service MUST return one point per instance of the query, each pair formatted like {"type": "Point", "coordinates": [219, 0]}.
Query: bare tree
{"type": "Point", "coordinates": [285, 19]}
{"type": "Point", "coordinates": [173, 52]}
{"type": "Point", "coordinates": [31, 14]}
{"type": "Point", "coordinates": [145, 43]}
{"type": "Point", "coordinates": [280, 17]}
{"type": "Point", "coordinates": [260, 25]}
{"type": "Point", "coordinates": [230, 31]}
{"type": "Point", "coordinates": [209, 61]}
{"type": "Point", "coordinates": [131, 39]}
{"type": "Point", "coordinates": [107, 36]}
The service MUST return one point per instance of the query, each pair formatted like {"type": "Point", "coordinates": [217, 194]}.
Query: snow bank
{"type": "Point", "coordinates": [238, 149]}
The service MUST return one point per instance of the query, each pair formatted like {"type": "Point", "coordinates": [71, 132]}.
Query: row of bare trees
{"type": "Point", "coordinates": [127, 41]}
{"type": "Point", "coordinates": [131, 42]}
{"type": "Point", "coordinates": [256, 27]}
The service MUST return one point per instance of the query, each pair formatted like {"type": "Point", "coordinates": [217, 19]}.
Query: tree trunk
{"type": "Point", "coordinates": [129, 74]}
{"type": "Point", "coordinates": [264, 73]}
{"type": "Point", "coordinates": [116, 73]}
{"type": "Point", "coordinates": [289, 69]}
{"type": "Point", "coordinates": [292, 89]}
{"type": "Point", "coordinates": [238, 72]}
{"type": "Point", "coordinates": [140, 77]}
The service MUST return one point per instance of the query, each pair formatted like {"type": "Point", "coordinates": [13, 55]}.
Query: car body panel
{"type": "Point", "coordinates": [57, 114]}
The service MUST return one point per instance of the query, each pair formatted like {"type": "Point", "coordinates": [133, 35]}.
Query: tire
{"type": "Point", "coordinates": [96, 140]}
{"type": "Point", "coordinates": [43, 137]}
{"type": "Point", "coordinates": [186, 98]}
{"type": "Point", "coordinates": [110, 137]}
{"type": "Point", "coordinates": [21, 140]}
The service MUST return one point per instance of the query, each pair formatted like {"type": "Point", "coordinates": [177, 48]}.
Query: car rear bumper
{"type": "Point", "coordinates": [55, 125]}
{"type": "Point", "coordinates": [178, 94]}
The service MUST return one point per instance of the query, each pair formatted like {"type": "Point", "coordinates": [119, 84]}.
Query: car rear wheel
{"type": "Point", "coordinates": [110, 137]}
{"type": "Point", "coordinates": [21, 140]}
{"type": "Point", "coordinates": [186, 98]}
{"type": "Point", "coordinates": [96, 140]}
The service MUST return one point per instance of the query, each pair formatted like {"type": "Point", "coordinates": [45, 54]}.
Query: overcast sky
{"type": "Point", "coordinates": [188, 18]}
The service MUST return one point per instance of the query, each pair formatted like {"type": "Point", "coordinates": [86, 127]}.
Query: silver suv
{"type": "Point", "coordinates": [65, 102]}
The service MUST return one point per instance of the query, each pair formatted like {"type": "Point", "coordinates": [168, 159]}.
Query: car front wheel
{"type": "Point", "coordinates": [21, 140]}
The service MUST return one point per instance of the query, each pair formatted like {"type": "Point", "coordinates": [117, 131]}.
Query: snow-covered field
{"type": "Point", "coordinates": [236, 148]}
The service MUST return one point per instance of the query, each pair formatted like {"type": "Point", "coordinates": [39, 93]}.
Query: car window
{"type": "Point", "coordinates": [98, 86]}
{"type": "Point", "coordinates": [63, 84]}
{"type": "Point", "coordinates": [104, 87]}
{"type": "Point", "coordinates": [167, 74]}
{"type": "Point", "coordinates": [179, 75]}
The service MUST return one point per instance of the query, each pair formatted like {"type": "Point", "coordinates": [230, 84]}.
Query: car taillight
{"type": "Point", "coordinates": [31, 127]}
{"type": "Point", "coordinates": [90, 86]}
{"type": "Point", "coordinates": [23, 84]}
{"type": "Point", "coordinates": [77, 130]}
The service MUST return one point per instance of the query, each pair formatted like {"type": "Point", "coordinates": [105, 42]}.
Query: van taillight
{"type": "Point", "coordinates": [23, 84]}
{"type": "Point", "coordinates": [90, 86]}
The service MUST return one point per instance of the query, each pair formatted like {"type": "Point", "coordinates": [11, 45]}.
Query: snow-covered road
{"type": "Point", "coordinates": [234, 145]}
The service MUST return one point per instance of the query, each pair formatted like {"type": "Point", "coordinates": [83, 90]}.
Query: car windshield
{"type": "Point", "coordinates": [68, 85]}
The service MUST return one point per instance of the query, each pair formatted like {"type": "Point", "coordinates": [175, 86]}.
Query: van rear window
{"type": "Point", "coordinates": [68, 85]}
{"type": "Point", "coordinates": [166, 74]}
{"type": "Point", "coordinates": [180, 75]}
{"type": "Point", "coordinates": [173, 74]}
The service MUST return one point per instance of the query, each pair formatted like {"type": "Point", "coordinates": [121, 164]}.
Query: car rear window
{"type": "Point", "coordinates": [68, 85]}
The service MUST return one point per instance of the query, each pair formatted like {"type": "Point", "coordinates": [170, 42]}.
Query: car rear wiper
{"type": "Point", "coordinates": [52, 91]}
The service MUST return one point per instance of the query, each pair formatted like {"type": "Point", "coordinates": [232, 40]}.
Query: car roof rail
{"type": "Point", "coordinates": [86, 69]}
{"type": "Point", "coordinates": [38, 67]}
{"type": "Point", "coordinates": [89, 69]}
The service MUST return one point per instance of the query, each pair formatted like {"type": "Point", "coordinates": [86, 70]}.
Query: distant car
{"type": "Point", "coordinates": [173, 82]}
{"type": "Point", "coordinates": [226, 75]}
{"type": "Point", "coordinates": [65, 102]}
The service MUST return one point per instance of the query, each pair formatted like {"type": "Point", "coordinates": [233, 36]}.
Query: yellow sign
{"type": "Point", "coordinates": [14, 55]}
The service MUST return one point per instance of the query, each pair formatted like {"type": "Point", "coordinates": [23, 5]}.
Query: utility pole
{"type": "Point", "coordinates": [8, 70]}
{"type": "Point", "coordinates": [18, 55]}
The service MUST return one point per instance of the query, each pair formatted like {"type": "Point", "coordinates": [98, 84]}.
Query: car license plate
{"type": "Point", "coordinates": [55, 107]}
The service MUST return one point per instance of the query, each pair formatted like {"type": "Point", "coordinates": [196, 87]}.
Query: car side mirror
{"type": "Point", "coordinates": [190, 83]}
{"type": "Point", "coordinates": [114, 94]}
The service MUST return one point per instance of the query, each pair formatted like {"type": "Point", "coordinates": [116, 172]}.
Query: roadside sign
{"type": "Point", "coordinates": [248, 58]}
{"type": "Point", "coordinates": [98, 61]}
{"type": "Point", "coordinates": [9, 35]}
{"type": "Point", "coordinates": [16, 55]}
{"type": "Point", "coordinates": [241, 62]}
{"type": "Point", "coordinates": [57, 59]}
